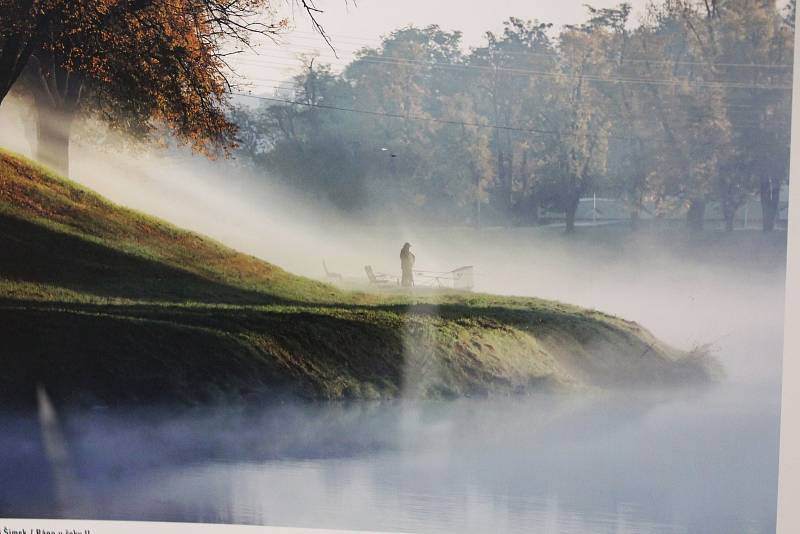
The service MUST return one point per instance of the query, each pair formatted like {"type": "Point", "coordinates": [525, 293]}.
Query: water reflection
{"type": "Point", "coordinates": [637, 463]}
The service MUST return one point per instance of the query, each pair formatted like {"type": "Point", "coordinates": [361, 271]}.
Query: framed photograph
{"type": "Point", "coordinates": [443, 267]}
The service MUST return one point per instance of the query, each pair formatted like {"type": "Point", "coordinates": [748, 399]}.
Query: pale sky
{"type": "Point", "coordinates": [353, 25]}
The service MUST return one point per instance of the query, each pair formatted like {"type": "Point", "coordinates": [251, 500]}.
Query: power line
{"type": "Point", "coordinates": [294, 88]}
{"type": "Point", "coordinates": [291, 83]}
{"type": "Point", "coordinates": [634, 59]}
{"type": "Point", "coordinates": [317, 52]}
{"type": "Point", "coordinates": [431, 119]}
{"type": "Point", "coordinates": [750, 124]}
{"type": "Point", "coordinates": [588, 77]}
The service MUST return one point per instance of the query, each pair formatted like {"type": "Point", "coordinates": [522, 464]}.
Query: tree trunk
{"type": "Point", "coordinates": [53, 129]}
{"type": "Point", "coordinates": [509, 186]}
{"type": "Point", "coordinates": [729, 216]}
{"type": "Point", "coordinates": [635, 218]}
{"type": "Point", "coordinates": [636, 211]}
{"type": "Point", "coordinates": [770, 193]}
{"type": "Point", "coordinates": [729, 212]}
{"type": "Point", "coordinates": [17, 47]}
{"type": "Point", "coordinates": [476, 176]}
{"type": "Point", "coordinates": [478, 199]}
{"type": "Point", "coordinates": [14, 54]}
{"type": "Point", "coordinates": [57, 96]}
{"type": "Point", "coordinates": [498, 190]}
{"type": "Point", "coordinates": [570, 210]}
{"type": "Point", "coordinates": [696, 215]}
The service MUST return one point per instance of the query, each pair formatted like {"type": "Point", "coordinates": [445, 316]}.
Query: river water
{"type": "Point", "coordinates": [635, 463]}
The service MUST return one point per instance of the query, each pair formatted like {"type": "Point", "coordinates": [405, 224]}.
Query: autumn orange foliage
{"type": "Point", "coordinates": [142, 65]}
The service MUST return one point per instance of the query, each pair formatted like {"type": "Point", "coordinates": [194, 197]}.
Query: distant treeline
{"type": "Point", "coordinates": [690, 105]}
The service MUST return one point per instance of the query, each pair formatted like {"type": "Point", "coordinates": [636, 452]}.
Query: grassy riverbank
{"type": "Point", "coordinates": [105, 305]}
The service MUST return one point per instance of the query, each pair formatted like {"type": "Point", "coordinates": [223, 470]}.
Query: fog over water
{"type": "Point", "coordinates": [687, 461]}
{"type": "Point", "coordinates": [622, 463]}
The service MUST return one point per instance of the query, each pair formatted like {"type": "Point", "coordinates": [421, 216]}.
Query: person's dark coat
{"type": "Point", "coordinates": [407, 265]}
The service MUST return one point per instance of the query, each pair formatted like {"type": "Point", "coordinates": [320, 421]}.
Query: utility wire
{"type": "Point", "coordinates": [587, 77]}
{"type": "Point", "coordinates": [279, 88]}
{"type": "Point", "coordinates": [432, 119]}
{"type": "Point", "coordinates": [363, 45]}
{"type": "Point", "coordinates": [291, 83]}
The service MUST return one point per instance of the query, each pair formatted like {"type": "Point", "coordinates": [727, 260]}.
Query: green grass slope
{"type": "Point", "coordinates": [105, 305]}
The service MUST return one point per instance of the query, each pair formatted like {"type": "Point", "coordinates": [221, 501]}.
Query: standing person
{"type": "Point", "coordinates": [407, 265]}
